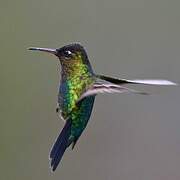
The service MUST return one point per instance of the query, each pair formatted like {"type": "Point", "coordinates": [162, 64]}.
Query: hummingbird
{"type": "Point", "coordinates": [79, 85]}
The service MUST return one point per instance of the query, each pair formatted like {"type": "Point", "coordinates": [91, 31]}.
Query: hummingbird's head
{"type": "Point", "coordinates": [68, 55]}
{"type": "Point", "coordinates": [71, 52]}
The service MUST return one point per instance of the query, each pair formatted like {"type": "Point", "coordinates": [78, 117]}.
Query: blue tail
{"type": "Point", "coordinates": [60, 145]}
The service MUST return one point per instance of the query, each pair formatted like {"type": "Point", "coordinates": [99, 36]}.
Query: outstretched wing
{"type": "Point", "coordinates": [137, 81]}
{"type": "Point", "coordinates": [106, 87]}
{"type": "Point", "coordinates": [105, 84]}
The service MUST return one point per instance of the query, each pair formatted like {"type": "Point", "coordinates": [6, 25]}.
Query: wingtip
{"type": "Point", "coordinates": [167, 82]}
{"type": "Point", "coordinates": [174, 84]}
{"type": "Point", "coordinates": [162, 82]}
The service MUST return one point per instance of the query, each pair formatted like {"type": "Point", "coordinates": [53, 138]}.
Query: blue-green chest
{"type": "Point", "coordinates": [70, 91]}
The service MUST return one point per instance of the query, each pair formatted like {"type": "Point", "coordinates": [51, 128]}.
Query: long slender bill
{"type": "Point", "coordinates": [48, 50]}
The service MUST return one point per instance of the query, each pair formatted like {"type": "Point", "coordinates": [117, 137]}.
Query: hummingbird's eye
{"type": "Point", "coordinates": [67, 54]}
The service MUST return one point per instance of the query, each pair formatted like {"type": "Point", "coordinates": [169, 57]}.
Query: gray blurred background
{"type": "Point", "coordinates": [129, 136]}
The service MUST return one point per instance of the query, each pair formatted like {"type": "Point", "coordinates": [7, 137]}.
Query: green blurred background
{"type": "Point", "coordinates": [129, 136]}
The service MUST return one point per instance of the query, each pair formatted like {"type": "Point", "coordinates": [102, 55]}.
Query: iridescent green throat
{"type": "Point", "coordinates": [78, 77]}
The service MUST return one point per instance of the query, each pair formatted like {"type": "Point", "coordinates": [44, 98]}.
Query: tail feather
{"type": "Point", "coordinates": [60, 145]}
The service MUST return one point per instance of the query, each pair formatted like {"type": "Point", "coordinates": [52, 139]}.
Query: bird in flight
{"type": "Point", "coordinates": [78, 88]}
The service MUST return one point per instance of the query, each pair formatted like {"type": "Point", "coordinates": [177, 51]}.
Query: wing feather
{"type": "Point", "coordinates": [137, 81]}
{"type": "Point", "coordinates": [106, 87]}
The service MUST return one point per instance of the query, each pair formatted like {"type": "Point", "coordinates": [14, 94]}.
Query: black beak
{"type": "Point", "coordinates": [48, 50]}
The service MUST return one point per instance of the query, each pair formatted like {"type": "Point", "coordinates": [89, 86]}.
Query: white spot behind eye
{"type": "Point", "coordinates": [69, 52]}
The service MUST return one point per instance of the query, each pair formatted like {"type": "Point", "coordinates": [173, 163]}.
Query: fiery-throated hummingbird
{"type": "Point", "coordinates": [79, 86]}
